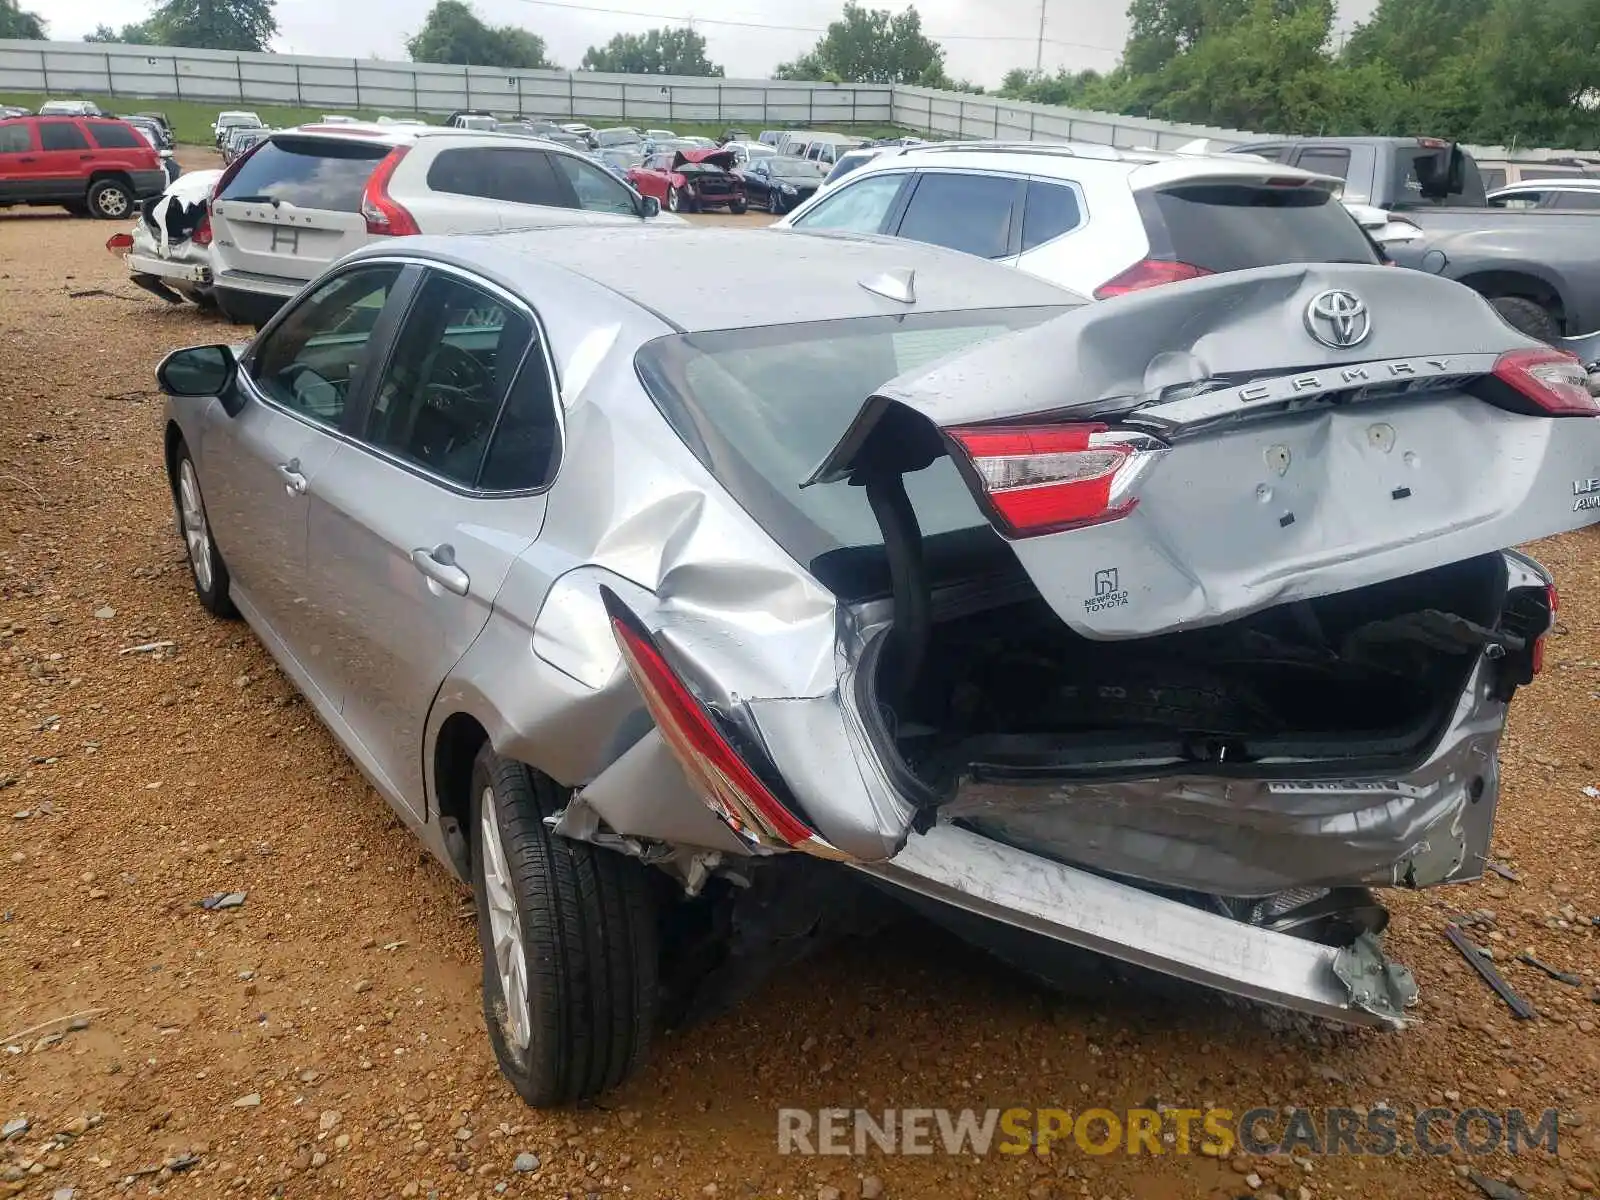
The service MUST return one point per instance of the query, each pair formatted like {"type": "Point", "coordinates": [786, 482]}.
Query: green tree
{"type": "Point", "coordinates": [14, 23]}
{"type": "Point", "coordinates": [213, 24]}
{"type": "Point", "coordinates": [135, 34]}
{"type": "Point", "coordinates": [658, 52]}
{"type": "Point", "coordinates": [1413, 37]}
{"type": "Point", "coordinates": [454, 34]}
{"type": "Point", "coordinates": [872, 46]}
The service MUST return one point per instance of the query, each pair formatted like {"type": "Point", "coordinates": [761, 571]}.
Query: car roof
{"type": "Point", "coordinates": [1144, 168]}
{"type": "Point", "coordinates": [698, 278]}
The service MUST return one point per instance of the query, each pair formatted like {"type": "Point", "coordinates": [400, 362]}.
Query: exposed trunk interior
{"type": "Point", "coordinates": [1364, 677]}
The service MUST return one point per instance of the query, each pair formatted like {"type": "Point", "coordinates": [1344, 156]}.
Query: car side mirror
{"type": "Point", "coordinates": [198, 371]}
{"type": "Point", "coordinates": [649, 207]}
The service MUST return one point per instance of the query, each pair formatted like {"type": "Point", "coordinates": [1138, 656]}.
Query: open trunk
{"type": "Point", "coordinates": [1369, 676]}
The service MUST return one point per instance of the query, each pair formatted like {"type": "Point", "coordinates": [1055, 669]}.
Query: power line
{"type": "Point", "coordinates": [682, 18]}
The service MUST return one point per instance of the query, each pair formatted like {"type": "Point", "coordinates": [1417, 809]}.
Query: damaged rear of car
{"type": "Point", "coordinates": [1167, 628]}
{"type": "Point", "coordinates": [168, 251]}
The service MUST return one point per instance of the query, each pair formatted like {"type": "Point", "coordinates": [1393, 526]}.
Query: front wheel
{"type": "Point", "coordinates": [674, 200]}
{"type": "Point", "coordinates": [110, 200]}
{"type": "Point", "coordinates": [210, 573]}
{"type": "Point", "coordinates": [568, 935]}
{"type": "Point", "coordinates": [775, 203]}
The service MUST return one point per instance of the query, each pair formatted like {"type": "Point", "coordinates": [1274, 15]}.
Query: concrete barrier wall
{"type": "Point", "coordinates": [65, 69]}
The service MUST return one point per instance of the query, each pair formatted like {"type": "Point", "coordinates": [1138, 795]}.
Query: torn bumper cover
{"type": "Point", "coordinates": [1355, 984]}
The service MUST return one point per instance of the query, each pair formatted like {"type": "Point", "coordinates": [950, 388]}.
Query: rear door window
{"type": "Point", "coordinates": [308, 173]}
{"type": "Point", "coordinates": [439, 399]}
{"type": "Point", "coordinates": [15, 138]}
{"type": "Point", "coordinates": [1234, 227]}
{"type": "Point", "coordinates": [109, 135]}
{"type": "Point", "coordinates": [513, 174]}
{"type": "Point", "coordinates": [62, 135]}
{"type": "Point", "coordinates": [1052, 210]}
{"type": "Point", "coordinates": [970, 213]}
{"type": "Point", "coordinates": [1326, 161]}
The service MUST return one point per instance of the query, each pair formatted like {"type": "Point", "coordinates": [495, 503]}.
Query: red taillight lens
{"type": "Point", "coordinates": [1552, 379]}
{"type": "Point", "coordinates": [1538, 642]}
{"type": "Point", "coordinates": [1148, 273]}
{"type": "Point", "coordinates": [119, 243]}
{"type": "Point", "coordinates": [384, 214]}
{"type": "Point", "coordinates": [715, 769]}
{"type": "Point", "coordinates": [1046, 478]}
{"type": "Point", "coordinates": [202, 232]}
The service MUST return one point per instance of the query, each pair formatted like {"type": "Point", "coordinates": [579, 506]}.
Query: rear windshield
{"type": "Point", "coordinates": [1234, 227]}
{"type": "Point", "coordinates": [761, 408]}
{"type": "Point", "coordinates": [308, 173]}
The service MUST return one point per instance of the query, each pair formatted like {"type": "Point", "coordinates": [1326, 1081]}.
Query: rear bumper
{"type": "Point", "coordinates": [1353, 984]}
{"type": "Point", "coordinates": [247, 305]}
{"type": "Point", "coordinates": [169, 270]}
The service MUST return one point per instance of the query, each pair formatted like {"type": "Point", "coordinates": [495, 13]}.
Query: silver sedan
{"type": "Point", "coordinates": [671, 583]}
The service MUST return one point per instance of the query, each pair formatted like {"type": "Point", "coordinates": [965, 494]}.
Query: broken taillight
{"type": "Point", "coordinates": [119, 243]}
{"type": "Point", "coordinates": [202, 232]}
{"type": "Point", "coordinates": [1038, 479]}
{"type": "Point", "coordinates": [1538, 642]}
{"type": "Point", "coordinates": [1554, 380]}
{"type": "Point", "coordinates": [1148, 273]}
{"type": "Point", "coordinates": [714, 767]}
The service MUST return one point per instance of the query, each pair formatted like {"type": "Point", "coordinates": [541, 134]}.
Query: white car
{"type": "Point", "coordinates": [306, 196]}
{"type": "Point", "coordinates": [168, 251]}
{"type": "Point", "coordinates": [232, 119]}
{"type": "Point", "coordinates": [1091, 218]}
{"type": "Point", "coordinates": [1565, 193]}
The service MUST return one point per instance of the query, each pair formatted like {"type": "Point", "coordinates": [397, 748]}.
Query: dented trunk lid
{"type": "Point", "coordinates": [1281, 466]}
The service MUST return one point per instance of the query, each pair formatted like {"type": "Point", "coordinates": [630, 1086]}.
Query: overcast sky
{"type": "Point", "coordinates": [982, 38]}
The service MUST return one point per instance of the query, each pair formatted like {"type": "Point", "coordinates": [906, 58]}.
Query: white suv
{"type": "Point", "coordinates": [1096, 220]}
{"type": "Point", "coordinates": [305, 197]}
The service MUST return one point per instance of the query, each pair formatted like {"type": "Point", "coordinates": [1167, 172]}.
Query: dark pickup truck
{"type": "Point", "coordinates": [1540, 269]}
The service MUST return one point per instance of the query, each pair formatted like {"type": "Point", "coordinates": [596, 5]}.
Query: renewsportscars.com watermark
{"type": "Point", "coordinates": [1213, 1132]}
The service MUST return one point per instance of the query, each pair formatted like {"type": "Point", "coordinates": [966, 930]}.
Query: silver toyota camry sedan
{"type": "Point", "coordinates": [672, 583]}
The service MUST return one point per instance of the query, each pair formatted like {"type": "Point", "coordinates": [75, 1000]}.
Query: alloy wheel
{"type": "Point", "coordinates": [113, 202]}
{"type": "Point", "coordinates": [196, 533]}
{"type": "Point", "coordinates": [505, 928]}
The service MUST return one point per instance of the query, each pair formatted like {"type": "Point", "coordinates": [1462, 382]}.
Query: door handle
{"type": "Point", "coordinates": [294, 483]}
{"type": "Point", "coordinates": [439, 565]}
{"type": "Point", "coordinates": [27, 158]}
{"type": "Point", "coordinates": [85, 157]}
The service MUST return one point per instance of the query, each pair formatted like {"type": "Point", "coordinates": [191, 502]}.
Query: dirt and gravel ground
{"type": "Point", "coordinates": [325, 1037]}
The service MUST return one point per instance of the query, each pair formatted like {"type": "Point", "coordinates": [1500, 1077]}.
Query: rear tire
{"type": "Point", "coordinates": [110, 200]}
{"type": "Point", "coordinates": [739, 207]}
{"type": "Point", "coordinates": [569, 941]}
{"type": "Point", "coordinates": [1527, 316]}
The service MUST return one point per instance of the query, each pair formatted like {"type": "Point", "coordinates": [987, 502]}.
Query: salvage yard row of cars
{"type": "Point", "coordinates": [1093, 549]}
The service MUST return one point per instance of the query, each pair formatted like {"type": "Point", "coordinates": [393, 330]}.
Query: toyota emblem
{"type": "Point", "coordinates": [1338, 319]}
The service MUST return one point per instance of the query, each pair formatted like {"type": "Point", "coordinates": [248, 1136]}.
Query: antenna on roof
{"type": "Point", "coordinates": [899, 286]}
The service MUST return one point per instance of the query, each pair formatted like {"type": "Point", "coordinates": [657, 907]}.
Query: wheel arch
{"type": "Point", "coordinates": [1523, 284]}
{"type": "Point", "coordinates": [460, 737]}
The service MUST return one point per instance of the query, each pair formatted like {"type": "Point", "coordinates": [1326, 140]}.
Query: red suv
{"type": "Point", "coordinates": [91, 166]}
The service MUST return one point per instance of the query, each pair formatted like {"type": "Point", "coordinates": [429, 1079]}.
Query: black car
{"type": "Point", "coordinates": [778, 183]}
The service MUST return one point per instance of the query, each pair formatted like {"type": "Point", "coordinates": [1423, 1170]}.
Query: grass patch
{"type": "Point", "coordinates": [191, 120]}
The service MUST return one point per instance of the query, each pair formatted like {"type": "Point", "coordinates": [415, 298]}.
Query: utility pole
{"type": "Point", "coordinates": [1038, 57]}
